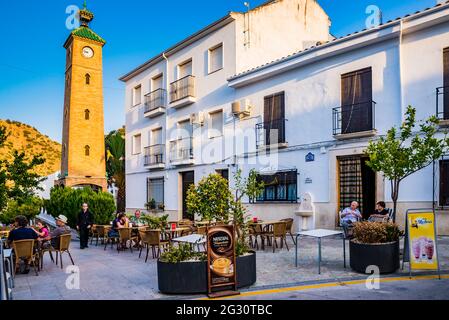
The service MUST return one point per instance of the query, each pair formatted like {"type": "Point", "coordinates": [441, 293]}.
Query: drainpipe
{"type": "Point", "coordinates": [401, 76]}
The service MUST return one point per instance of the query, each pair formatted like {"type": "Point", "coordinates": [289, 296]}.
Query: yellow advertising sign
{"type": "Point", "coordinates": [422, 241]}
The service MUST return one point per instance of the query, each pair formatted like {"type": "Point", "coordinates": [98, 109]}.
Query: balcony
{"type": "Point", "coordinates": [155, 103]}
{"type": "Point", "coordinates": [271, 135]}
{"type": "Point", "coordinates": [154, 156]}
{"type": "Point", "coordinates": [182, 92]}
{"type": "Point", "coordinates": [442, 97]}
{"type": "Point", "coordinates": [181, 151]}
{"type": "Point", "coordinates": [354, 120]}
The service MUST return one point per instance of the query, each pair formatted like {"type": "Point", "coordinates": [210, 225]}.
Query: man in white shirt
{"type": "Point", "coordinates": [350, 215]}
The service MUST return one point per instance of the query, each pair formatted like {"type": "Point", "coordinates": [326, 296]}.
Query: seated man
{"type": "Point", "coordinates": [22, 232]}
{"type": "Point", "coordinates": [350, 215]}
{"type": "Point", "coordinates": [136, 219]}
{"type": "Point", "coordinates": [380, 211]}
{"type": "Point", "coordinates": [61, 228]}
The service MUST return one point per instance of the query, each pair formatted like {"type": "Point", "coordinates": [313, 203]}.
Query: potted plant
{"type": "Point", "coordinates": [375, 244]}
{"type": "Point", "coordinates": [151, 205]}
{"type": "Point", "coordinates": [180, 269]}
{"type": "Point", "coordinates": [156, 223]}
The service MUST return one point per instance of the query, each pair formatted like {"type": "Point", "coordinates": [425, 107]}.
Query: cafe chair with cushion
{"type": "Point", "coordinates": [24, 250]}
{"type": "Point", "coordinates": [289, 227]}
{"type": "Point", "coordinates": [126, 236]}
{"type": "Point", "coordinates": [279, 231]}
{"type": "Point", "coordinates": [64, 247]}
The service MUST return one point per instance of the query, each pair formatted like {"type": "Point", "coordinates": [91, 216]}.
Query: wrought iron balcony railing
{"type": "Point", "coordinates": [154, 155]}
{"type": "Point", "coordinates": [442, 100]}
{"type": "Point", "coordinates": [353, 118]}
{"type": "Point", "coordinates": [181, 149]}
{"type": "Point", "coordinates": [155, 100]}
{"type": "Point", "coordinates": [270, 133]}
{"type": "Point", "coordinates": [182, 88]}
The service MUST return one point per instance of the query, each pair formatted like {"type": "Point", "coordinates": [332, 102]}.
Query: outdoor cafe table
{"type": "Point", "coordinates": [192, 239]}
{"type": "Point", "coordinates": [319, 234]}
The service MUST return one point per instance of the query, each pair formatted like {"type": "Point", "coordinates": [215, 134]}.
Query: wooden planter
{"type": "Point", "coordinates": [385, 256]}
{"type": "Point", "coordinates": [191, 277]}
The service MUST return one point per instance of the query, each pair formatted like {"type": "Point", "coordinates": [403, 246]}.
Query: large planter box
{"type": "Point", "coordinates": [191, 277]}
{"type": "Point", "coordinates": [385, 256]}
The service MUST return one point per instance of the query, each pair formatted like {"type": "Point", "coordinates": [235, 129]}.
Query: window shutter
{"type": "Point", "coordinates": [446, 82]}
{"type": "Point", "coordinates": [444, 183]}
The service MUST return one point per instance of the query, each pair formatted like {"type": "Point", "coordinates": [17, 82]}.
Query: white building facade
{"type": "Point", "coordinates": [302, 121]}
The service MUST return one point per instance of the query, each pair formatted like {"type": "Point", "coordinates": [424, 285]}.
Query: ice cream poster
{"type": "Point", "coordinates": [422, 241]}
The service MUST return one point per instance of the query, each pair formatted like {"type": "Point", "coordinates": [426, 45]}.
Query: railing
{"type": "Point", "coordinates": [353, 118]}
{"type": "Point", "coordinates": [154, 155]}
{"type": "Point", "coordinates": [442, 97]}
{"type": "Point", "coordinates": [181, 149]}
{"type": "Point", "coordinates": [270, 133]}
{"type": "Point", "coordinates": [182, 88]}
{"type": "Point", "coordinates": [155, 100]}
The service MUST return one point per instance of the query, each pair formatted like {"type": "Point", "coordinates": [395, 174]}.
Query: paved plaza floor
{"type": "Point", "coordinates": [106, 275]}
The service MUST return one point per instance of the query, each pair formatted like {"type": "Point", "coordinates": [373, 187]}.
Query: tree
{"type": "Point", "coordinates": [3, 195]}
{"type": "Point", "coordinates": [22, 181]}
{"type": "Point", "coordinates": [401, 153]}
{"type": "Point", "coordinates": [115, 165]}
{"type": "Point", "coordinates": [211, 199]}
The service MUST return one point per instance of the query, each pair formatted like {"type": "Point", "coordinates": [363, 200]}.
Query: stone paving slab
{"type": "Point", "coordinates": [109, 275]}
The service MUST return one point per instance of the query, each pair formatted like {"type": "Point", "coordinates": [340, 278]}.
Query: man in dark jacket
{"type": "Point", "coordinates": [84, 224]}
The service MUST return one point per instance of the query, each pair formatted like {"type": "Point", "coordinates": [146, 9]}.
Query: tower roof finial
{"type": "Point", "coordinates": [85, 15]}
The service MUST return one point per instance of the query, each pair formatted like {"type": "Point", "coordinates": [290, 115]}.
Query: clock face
{"type": "Point", "coordinates": [88, 52]}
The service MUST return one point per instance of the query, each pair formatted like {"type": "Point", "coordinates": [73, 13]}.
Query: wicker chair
{"type": "Point", "coordinates": [125, 237]}
{"type": "Point", "coordinates": [24, 249]}
{"type": "Point", "coordinates": [201, 230]}
{"type": "Point", "coordinates": [64, 246]}
{"type": "Point", "coordinates": [255, 231]}
{"type": "Point", "coordinates": [109, 239]}
{"type": "Point", "coordinates": [279, 231]}
{"type": "Point", "coordinates": [154, 241]}
{"type": "Point", "coordinates": [94, 233]}
{"type": "Point", "coordinates": [289, 222]}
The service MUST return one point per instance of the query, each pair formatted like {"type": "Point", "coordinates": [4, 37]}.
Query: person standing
{"type": "Point", "coordinates": [84, 224]}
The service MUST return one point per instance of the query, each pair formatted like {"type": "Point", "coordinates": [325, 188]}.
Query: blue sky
{"type": "Point", "coordinates": [32, 58]}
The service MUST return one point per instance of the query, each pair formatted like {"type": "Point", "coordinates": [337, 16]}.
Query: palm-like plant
{"type": "Point", "coordinates": [115, 165]}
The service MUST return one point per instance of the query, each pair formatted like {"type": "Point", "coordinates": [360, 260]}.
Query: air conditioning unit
{"type": "Point", "coordinates": [241, 108]}
{"type": "Point", "coordinates": [197, 118]}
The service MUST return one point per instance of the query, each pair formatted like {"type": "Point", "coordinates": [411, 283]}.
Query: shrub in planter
{"type": "Point", "coordinates": [375, 244]}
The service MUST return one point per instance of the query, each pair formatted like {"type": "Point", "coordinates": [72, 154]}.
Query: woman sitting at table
{"type": "Point", "coordinates": [118, 223]}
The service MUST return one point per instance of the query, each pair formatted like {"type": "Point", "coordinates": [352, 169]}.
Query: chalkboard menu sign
{"type": "Point", "coordinates": [221, 267]}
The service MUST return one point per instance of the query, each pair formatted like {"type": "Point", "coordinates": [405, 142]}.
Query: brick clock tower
{"type": "Point", "coordinates": [83, 146]}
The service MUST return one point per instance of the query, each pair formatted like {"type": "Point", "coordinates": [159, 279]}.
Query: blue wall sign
{"type": "Point", "coordinates": [310, 157]}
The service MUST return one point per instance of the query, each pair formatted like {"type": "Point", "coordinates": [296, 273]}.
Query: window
{"type": "Point", "coordinates": [86, 114]}
{"type": "Point", "coordinates": [216, 124]}
{"type": "Point", "coordinates": [274, 117]}
{"type": "Point", "coordinates": [157, 82]}
{"type": "Point", "coordinates": [137, 95]}
{"type": "Point", "coordinates": [87, 151]}
{"type": "Point", "coordinates": [87, 76]}
{"type": "Point", "coordinates": [185, 69]}
{"type": "Point", "coordinates": [156, 137]}
{"type": "Point", "coordinates": [137, 144]}
{"type": "Point", "coordinates": [446, 83]}
{"type": "Point", "coordinates": [155, 190]}
{"type": "Point", "coordinates": [356, 101]}
{"type": "Point", "coordinates": [281, 186]}
{"type": "Point", "coordinates": [224, 173]}
{"type": "Point", "coordinates": [216, 58]}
